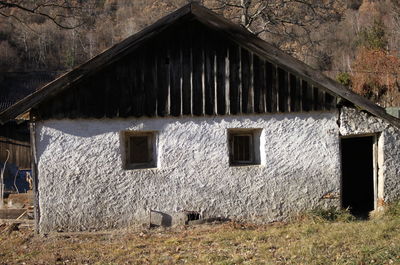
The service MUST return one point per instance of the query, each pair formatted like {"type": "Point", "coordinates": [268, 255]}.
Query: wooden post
{"type": "Point", "coordinates": [32, 127]}
{"type": "Point", "coordinates": [2, 180]}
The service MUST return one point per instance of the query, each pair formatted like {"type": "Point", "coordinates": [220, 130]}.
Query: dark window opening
{"type": "Point", "coordinates": [243, 147]}
{"type": "Point", "coordinates": [358, 175]}
{"type": "Point", "coordinates": [140, 150]}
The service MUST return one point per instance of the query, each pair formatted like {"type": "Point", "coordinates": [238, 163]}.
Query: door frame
{"type": "Point", "coordinates": [375, 165]}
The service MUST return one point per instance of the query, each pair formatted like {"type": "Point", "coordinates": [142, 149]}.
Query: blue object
{"type": "Point", "coordinates": [21, 178]}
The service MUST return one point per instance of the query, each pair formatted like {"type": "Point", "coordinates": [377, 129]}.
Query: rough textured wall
{"type": "Point", "coordinates": [82, 183]}
{"type": "Point", "coordinates": [353, 122]}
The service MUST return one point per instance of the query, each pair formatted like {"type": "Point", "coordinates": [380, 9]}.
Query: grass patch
{"type": "Point", "coordinates": [332, 214]}
{"type": "Point", "coordinates": [321, 237]}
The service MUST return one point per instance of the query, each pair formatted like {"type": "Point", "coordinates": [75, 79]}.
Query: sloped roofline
{"type": "Point", "coordinates": [216, 22]}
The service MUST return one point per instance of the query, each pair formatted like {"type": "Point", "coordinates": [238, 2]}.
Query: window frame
{"type": "Point", "coordinates": [252, 133]}
{"type": "Point", "coordinates": [151, 147]}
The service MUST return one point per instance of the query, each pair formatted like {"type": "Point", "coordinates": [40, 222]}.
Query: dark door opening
{"type": "Point", "coordinates": [358, 175]}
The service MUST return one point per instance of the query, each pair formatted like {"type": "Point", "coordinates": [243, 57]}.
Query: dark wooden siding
{"type": "Point", "coordinates": [15, 138]}
{"type": "Point", "coordinates": [187, 70]}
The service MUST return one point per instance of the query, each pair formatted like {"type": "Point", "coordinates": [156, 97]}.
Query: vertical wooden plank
{"type": "Point", "coordinates": [315, 97]}
{"type": "Point", "coordinates": [175, 79]}
{"type": "Point", "coordinates": [307, 96]}
{"type": "Point", "coordinates": [294, 100]}
{"type": "Point", "coordinates": [150, 82]}
{"type": "Point", "coordinates": [56, 106]}
{"type": "Point", "coordinates": [124, 82]}
{"type": "Point", "coordinates": [130, 85]}
{"type": "Point", "coordinates": [209, 56]}
{"type": "Point", "coordinates": [113, 92]}
{"type": "Point", "coordinates": [117, 82]}
{"type": "Point", "coordinates": [259, 84]}
{"type": "Point", "coordinates": [186, 73]}
{"type": "Point", "coordinates": [100, 82]}
{"type": "Point", "coordinates": [315, 102]}
{"type": "Point", "coordinates": [139, 95]}
{"type": "Point", "coordinates": [289, 100]}
{"type": "Point", "coordinates": [330, 101]}
{"type": "Point", "coordinates": [272, 87]}
{"type": "Point", "coordinates": [221, 79]}
{"type": "Point", "coordinates": [298, 104]}
{"type": "Point", "coordinates": [276, 92]}
{"type": "Point", "coordinates": [127, 83]}
{"type": "Point", "coordinates": [282, 90]}
{"type": "Point", "coordinates": [198, 71]}
{"type": "Point", "coordinates": [108, 80]}
{"type": "Point", "coordinates": [247, 93]}
{"type": "Point", "coordinates": [162, 80]}
{"type": "Point", "coordinates": [321, 99]}
{"type": "Point", "coordinates": [77, 97]}
{"type": "Point", "coordinates": [69, 108]}
{"type": "Point", "coordinates": [263, 94]}
{"type": "Point", "coordinates": [48, 109]}
{"type": "Point", "coordinates": [234, 72]}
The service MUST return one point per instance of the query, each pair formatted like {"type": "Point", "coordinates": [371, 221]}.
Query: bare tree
{"type": "Point", "coordinates": [287, 21]}
{"type": "Point", "coordinates": [66, 14]}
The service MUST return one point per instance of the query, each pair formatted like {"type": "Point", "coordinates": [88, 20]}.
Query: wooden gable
{"type": "Point", "coordinates": [190, 62]}
{"type": "Point", "coordinates": [188, 69]}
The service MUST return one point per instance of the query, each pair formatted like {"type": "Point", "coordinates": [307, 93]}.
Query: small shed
{"type": "Point", "coordinates": [195, 117]}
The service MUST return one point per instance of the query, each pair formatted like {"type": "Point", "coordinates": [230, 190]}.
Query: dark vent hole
{"type": "Point", "coordinates": [192, 216]}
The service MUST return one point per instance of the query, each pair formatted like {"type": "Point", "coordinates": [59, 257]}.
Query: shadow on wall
{"type": "Point", "coordinates": [82, 128]}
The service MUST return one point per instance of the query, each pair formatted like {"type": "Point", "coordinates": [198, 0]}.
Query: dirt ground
{"type": "Point", "coordinates": [304, 241]}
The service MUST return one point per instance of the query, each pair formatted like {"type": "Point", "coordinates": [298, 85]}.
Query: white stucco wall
{"type": "Point", "coordinates": [353, 122]}
{"type": "Point", "coordinates": [82, 183]}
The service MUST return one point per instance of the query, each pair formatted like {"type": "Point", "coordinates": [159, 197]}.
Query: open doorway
{"type": "Point", "coordinates": [358, 175]}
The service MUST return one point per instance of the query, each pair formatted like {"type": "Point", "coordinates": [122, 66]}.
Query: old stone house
{"type": "Point", "coordinates": [196, 115]}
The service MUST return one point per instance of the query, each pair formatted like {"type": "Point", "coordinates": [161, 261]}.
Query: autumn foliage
{"type": "Point", "coordinates": [376, 76]}
{"type": "Point", "coordinates": [376, 69]}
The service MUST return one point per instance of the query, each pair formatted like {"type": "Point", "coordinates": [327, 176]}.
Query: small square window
{"type": "Point", "coordinates": [244, 147]}
{"type": "Point", "coordinates": [140, 150]}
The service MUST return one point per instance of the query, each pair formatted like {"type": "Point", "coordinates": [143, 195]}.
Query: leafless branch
{"type": "Point", "coordinates": [43, 9]}
{"type": "Point", "coordinates": [288, 20]}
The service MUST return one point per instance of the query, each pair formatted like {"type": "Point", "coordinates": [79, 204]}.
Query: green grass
{"type": "Point", "coordinates": [320, 237]}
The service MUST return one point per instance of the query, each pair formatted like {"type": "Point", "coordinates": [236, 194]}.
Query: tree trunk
{"type": "Point", "coordinates": [245, 12]}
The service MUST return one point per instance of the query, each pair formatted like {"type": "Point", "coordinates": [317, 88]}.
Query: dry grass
{"type": "Point", "coordinates": [309, 240]}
